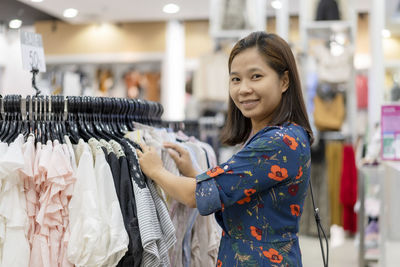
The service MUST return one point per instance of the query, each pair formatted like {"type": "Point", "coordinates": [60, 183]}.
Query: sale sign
{"type": "Point", "coordinates": [390, 126]}
{"type": "Point", "coordinates": [32, 52]}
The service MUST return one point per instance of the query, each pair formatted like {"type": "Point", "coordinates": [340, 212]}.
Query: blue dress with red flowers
{"type": "Point", "coordinates": [257, 197]}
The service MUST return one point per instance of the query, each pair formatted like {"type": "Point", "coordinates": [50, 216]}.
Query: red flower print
{"type": "Point", "coordinates": [222, 207]}
{"type": "Point", "coordinates": [249, 192]}
{"type": "Point", "coordinates": [215, 171]}
{"type": "Point", "coordinates": [243, 200]}
{"type": "Point", "coordinates": [256, 232]}
{"type": "Point", "coordinates": [265, 157]}
{"type": "Point", "coordinates": [295, 209]}
{"type": "Point", "coordinates": [239, 227]}
{"type": "Point", "coordinates": [290, 141]}
{"type": "Point", "coordinates": [299, 173]}
{"type": "Point", "coordinates": [293, 189]}
{"type": "Point", "coordinates": [277, 173]}
{"type": "Point", "coordinates": [230, 172]}
{"type": "Point", "coordinates": [260, 206]}
{"type": "Point", "coordinates": [273, 255]}
{"type": "Point", "coordinates": [219, 263]}
{"type": "Point", "coordinates": [223, 233]}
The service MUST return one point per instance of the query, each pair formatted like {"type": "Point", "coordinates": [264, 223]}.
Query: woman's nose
{"type": "Point", "coordinates": [245, 88]}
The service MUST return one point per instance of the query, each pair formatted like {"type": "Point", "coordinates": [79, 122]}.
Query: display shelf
{"type": "Point", "coordinates": [368, 176]}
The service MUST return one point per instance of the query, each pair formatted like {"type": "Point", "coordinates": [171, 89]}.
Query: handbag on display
{"type": "Point", "coordinates": [329, 114]}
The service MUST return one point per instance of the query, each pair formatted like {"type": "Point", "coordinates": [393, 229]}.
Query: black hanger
{"type": "Point", "coordinates": [71, 125]}
{"type": "Point", "coordinates": [25, 119]}
{"type": "Point", "coordinates": [63, 128]}
{"type": "Point", "coordinates": [81, 120]}
{"type": "Point", "coordinates": [18, 117]}
{"type": "Point", "coordinates": [5, 119]}
{"type": "Point", "coordinates": [13, 120]}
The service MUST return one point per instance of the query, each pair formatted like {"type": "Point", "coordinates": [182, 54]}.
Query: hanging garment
{"type": "Point", "coordinates": [110, 209]}
{"type": "Point", "coordinates": [150, 230]}
{"type": "Point", "coordinates": [334, 159]}
{"type": "Point", "coordinates": [328, 10]}
{"type": "Point", "coordinates": [14, 244]}
{"type": "Point", "coordinates": [95, 212]}
{"type": "Point", "coordinates": [348, 189]}
{"type": "Point", "coordinates": [133, 257]}
{"type": "Point", "coordinates": [168, 238]}
{"type": "Point", "coordinates": [362, 91]}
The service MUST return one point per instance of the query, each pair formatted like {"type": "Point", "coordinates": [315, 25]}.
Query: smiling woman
{"type": "Point", "coordinates": [258, 194]}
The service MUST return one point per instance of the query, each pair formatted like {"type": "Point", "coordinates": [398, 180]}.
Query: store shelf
{"type": "Point", "coordinates": [323, 29]}
{"type": "Point", "coordinates": [335, 25]}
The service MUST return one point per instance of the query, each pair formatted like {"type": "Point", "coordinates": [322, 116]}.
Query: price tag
{"type": "Point", "coordinates": [32, 51]}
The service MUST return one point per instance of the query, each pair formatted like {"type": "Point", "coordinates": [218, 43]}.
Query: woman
{"type": "Point", "coordinates": [257, 195]}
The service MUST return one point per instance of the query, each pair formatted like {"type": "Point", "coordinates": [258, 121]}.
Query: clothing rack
{"type": "Point", "coordinates": [52, 117]}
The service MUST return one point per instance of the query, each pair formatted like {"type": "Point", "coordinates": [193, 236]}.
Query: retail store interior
{"type": "Point", "coordinates": [173, 55]}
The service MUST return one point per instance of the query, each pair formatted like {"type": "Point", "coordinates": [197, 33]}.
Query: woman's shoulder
{"type": "Point", "coordinates": [288, 132]}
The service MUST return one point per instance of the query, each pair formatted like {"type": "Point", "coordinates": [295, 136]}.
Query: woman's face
{"type": "Point", "coordinates": [255, 87]}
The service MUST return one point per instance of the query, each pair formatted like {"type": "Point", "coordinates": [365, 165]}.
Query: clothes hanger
{"type": "Point", "coordinates": [71, 126]}
{"type": "Point", "coordinates": [63, 114]}
{"type": "Point", "coordinates": [81, 120]}
{"type": "Point", "coordinates": [116, 108]}
{"type": "Point", "coordinates": [5, 119]}
{"type": "Point", "coordinates": [19, 117]}
{"type": "Point", "coordinates": [13, 120]}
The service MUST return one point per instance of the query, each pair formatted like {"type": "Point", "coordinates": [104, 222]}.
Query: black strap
{"type": "Point", "coordinates": [320, 229]}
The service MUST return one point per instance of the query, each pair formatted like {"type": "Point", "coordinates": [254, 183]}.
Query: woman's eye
{"type": "Point", "coordinates": [256, 76]}
{"type": "Point", "coordinates": [235, 79]}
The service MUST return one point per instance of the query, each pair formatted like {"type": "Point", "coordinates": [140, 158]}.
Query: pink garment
{"type": "Point", "coordinates": [27, 174]}
{"type": "Point", "coordinates": [55, 183]}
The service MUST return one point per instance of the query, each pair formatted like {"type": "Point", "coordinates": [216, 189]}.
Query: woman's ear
{"type": "Point", "coordinates": [285, 81]}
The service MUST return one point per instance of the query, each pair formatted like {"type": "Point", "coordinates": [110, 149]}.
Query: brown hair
{"type": "Point", "coordinates": [279, 57]}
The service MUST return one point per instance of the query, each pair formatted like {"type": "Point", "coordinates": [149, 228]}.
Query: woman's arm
{"type": "Point", "coordinates": [181, 188]}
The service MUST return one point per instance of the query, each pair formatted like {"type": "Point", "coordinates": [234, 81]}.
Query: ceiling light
{"type": "Point", "coordinates": [70, 13]}
{"type": "Point", "coordinates": [171, 8]}
{"type": "Point", "coordinates": [15, 24]}
{"type": "Point", "coordinates": [277, 4]}
{"type": "Point", "coordinates": [37, 1]}
{"type": "Point", "coordinates": [386, 33]}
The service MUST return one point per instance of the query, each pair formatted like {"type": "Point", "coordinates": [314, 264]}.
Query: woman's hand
{"type": "Point", "coordinates": [182, 159]}
{"type": "Point", "coordinates": [150, 162]}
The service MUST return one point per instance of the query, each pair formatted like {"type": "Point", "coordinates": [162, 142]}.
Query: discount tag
{"type": "Point", "coordinates": [32, 51]}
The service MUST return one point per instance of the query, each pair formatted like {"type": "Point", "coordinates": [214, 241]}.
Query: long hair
{"type": "Point", "coordinates": [291, 108]}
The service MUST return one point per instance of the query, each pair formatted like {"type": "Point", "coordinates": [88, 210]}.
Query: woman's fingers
{"type": "Point", "coordinates": [144, 147]}
{"type": "Point", "coordinates": [174, 155]}
{"type": "Point", "coordinates": [176, 147]}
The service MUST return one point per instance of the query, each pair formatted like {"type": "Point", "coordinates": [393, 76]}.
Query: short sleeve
{"type": "Point", "coordinates": [273, 157]}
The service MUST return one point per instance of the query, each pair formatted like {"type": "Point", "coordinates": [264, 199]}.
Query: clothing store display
{"type": "Point", "coordinates": [78, 196]}
{"type": "Point", "coordinates": [334, 161]}
{"type": "Point", "coordinates": [328, 10]}
{"type": "Point", "coordinates": [348, 189]}
{"type": "Point", "coordinates": [191, 247]}
{"type": "Point", "coordinates": [284, 168]}
{"type": "Point", "coordinates": [331, 67]}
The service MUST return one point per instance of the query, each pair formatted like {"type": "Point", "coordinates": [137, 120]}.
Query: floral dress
{"type": "Point", "coordinates": [257, 197]}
